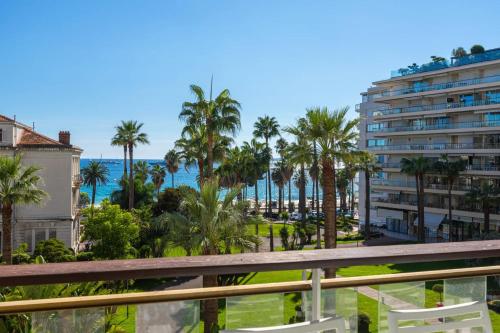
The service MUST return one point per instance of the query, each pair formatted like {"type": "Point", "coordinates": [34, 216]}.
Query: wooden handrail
{"type": "Point", "coordinates": [108, 270]}
{"type": "Point", "coordinates": [231, 291]}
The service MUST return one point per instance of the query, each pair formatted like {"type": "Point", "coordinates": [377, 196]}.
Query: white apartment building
{"type": "Point", "coordinates": [58, 216]}
{"type": "Point", "coordinates": [444, 107]}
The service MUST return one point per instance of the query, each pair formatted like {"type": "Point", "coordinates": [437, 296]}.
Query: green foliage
{"type": "Point", "coordinates": [477, 49]}
{"type": "Point", "coordinates": [85, 256]}
{"type": "Point", "coordinates": [459, 52]}
{"type": "Point", "coordinates": [284, 238]}
{"type": "Point", "coordinates": [84, 199]}
{"type": "Point", "coordinates": [439, 288]}
{"type": "Point", "coordinates": [364, 322]}
{"type": "Point", "coordinates": [168, 201]}
{"type": "Point", "coordinates": [21, 255]}
{"type": "Point", "coordinates": [111, 231]}
{"type": "Point", "coordinates": [53, 250]}
{"type": "Point", "coordinates": [144, 194]}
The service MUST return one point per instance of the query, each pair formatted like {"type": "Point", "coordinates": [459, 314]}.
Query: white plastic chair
{"type": "Point", "coordinates": [305, 327]}
{"type": "Point", "coordinates": [482, 321]}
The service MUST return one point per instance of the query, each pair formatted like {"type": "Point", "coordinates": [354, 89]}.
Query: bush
{"type": "Point", "coordinates": [477, 49]}
{"type": "Point", "coordinates": [284, 238]}
{"type": "Point", "coordinates": [53, 250]}
{"type": "Point", "coordinates": [21, 255]}
{"type": "Point", "coordinates": [364, 322]}
{"type": "Point", "coordinates": [494, 305]}
{"type": "Point", "coordinates": [438, 288]}
{"type": "Point", "coordinates": [85, 256]}
{"type": "Point", "coordinates": [170, 199]}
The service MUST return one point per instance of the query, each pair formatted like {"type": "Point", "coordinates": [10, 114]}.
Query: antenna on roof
{"type": "Point", "coordinates": [14, 118]}
{"type": "Point", "coordinates": [33, 126]}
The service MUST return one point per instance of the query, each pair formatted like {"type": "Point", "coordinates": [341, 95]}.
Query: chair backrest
{"type": "Point", "coordinates": [305, 327]}
{"type": "Point", "coordinates": [483, 320]}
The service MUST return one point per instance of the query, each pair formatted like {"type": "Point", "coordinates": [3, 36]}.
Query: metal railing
{"type": "Point", "coordinates": [433, 107]}
{"type": "Point", "coordinates": [472, 167]}
{"type": "Point", "coordinates": [438, 86]}
{"type": "Point", "coordinates": [456, 125]}
{"type": "Point", "coordinates": [412, 184]}
{"type": "Point", "coordinates": [437, 146]}
{"type": "Point", "coordinates": [440, 204]}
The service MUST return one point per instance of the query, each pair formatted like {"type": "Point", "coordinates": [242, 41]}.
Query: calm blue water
{"type": "Point", "coordinates": [182, 177]}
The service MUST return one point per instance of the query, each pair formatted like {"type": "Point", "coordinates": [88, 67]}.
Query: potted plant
{"type": "Point", "coordinates": [438, 288]}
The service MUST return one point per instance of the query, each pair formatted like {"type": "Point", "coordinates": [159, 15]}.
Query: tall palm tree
{"type": "Point", "coordinates": [172, 161]}
{"type": "Point", "coordinates": [418, 167]}
{"type": "Point", "coordinates": [366, 163]}
{"type": "Point", "coordinates": [192, 146]}
{"type": "Point", "coordinates": [158, 176]}
{"type": "Point", "coordinates": [18, 186]}
{"type": "Point", "coordinates": [335, 136]}
{"type": "Point", "coordinates": [288, 171]}
{"type": "Point", "coordinates": [267, 127]}
{"type": "Point", "coordinates": [219, 116]}
{"type": "Point", "coordinates": [119, 139]}
{"type": "Point", "coordinates": [451, 171]}
{"type": "Point", "coordinates": [95, 173]}
{"type": "Point", "coordinates": [487, 195]}
{"type": "Point", "coordinates": [258, 166]}
{"type": "Point", "coordinates": [141, 170]}
{"type": "Point", "coordinates": [133, 136]}
{"type": "Point", "coordinates": [211, 217]}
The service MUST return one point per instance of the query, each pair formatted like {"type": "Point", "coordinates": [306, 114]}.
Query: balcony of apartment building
{"type": "Point", "coordinates": [420, 89]}
{"type": "Point", "coordinates": [437, 148]}
{"type": "Point", "coordinates": [478, 102]}
{"type": "Point", "coordinates": [76, 180]}
{"type": "Point", "coordinates": [398, 302]}
{"type": "Point", "coordinates": [410, 186]}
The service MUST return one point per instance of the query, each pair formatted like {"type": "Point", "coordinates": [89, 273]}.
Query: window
{"type": "Point", "coordinates": [1, 135]}
{"type": "Point", "coordinates": [33, 236]}
{"type": "Point", "coordinates": [467, 100]}
{"type": "Point", "coordinates": [493, 96]}
{"type": "Point", "coordinates": [420, 86]}
{"type": "Point", "coordinates": [376, 142]}
{"type": "Point", "coordinates": [492, 117]}
{"type": "Point", "coordinates": [375, 127]}
{"type": "Point", "coordinates": [52, 233]}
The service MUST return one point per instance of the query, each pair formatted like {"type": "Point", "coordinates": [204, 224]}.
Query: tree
{"type": "Point", "coordinates": [459, 52]}
{"type": "Point", "coordinates": [477, 49]}
{"type": "Point", "coordinates": [450, 170]}
{"type": "Point", "coordinates": [267, 127]}
{"type": "Point", "coordinates": [172, 161]}
{"type": "Point", "coordinates": [418, 167]}
{"type": "Point", "coordinates": [258, 165]}
{"type": "Point", "coordinates": [366, 163]}
{"type": "Point", "coordinates": [335, 136]}
{"type": "Point", "coordinates": [158, 176]}
{"type": "Point", "coordinates": [18, 186]}
{"type": "Point", "coordinates": [95, 173]}
{"type": "Point", "coordinates": [132, 134]}
{"type": "Point", "coordinates": [219, 116]}
{"type": "Point", "coordinates": [208, 217]}
{"type": "Point", "coordinates": [141, 171]}
{"type": "Point", "coordinates": [53, 250]}
{"type": "Point", "coordinates": [111, 231]}
{"type": "Point", "coordinates": [486, 195]}
{"type": "Point", "coordinates": [119, 139]}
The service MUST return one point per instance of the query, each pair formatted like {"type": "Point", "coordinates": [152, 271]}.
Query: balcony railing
{"type": "Point", "coordinates": [456, 125]}
{"type": "Point", "coordinates": [77, 180]}
{"type": "Point", "coordinates": [489, 55]}
{"type": "Point", "coordinates": [438, 86]}
{"type": "Point", "coordinates": [437, 146]}
{"type": "Point", "coordinates": [433, 107]}
{"type": "Point", "coordinates": [412, 184]}
{"type": "Point", "coordinates": [430, 203]}
{"type": "Point", "coordinates": [317, 301]}
{"type": "Point", "coordinates": [473, 167]}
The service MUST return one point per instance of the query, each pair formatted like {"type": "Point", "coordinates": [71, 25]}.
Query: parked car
{"type": "Point", "coordinates": [296, 216]}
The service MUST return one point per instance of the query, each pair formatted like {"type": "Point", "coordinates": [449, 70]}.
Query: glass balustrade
{"type": "Point", "coordinates": [442, 126]}
{"type": "Point", "coordinates": [436, 146]}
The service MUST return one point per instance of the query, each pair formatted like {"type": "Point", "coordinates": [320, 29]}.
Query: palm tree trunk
{"type": "Point", "coordinates": [313, 202]}
{"type": "Point", "coordinates": [271, 237]}
{"type": "Point", "coordinates": [316, 181]}
{"type": "Point", "coordinates": [131, 187]}
{"type": "Point", "coordinates": [200, 171]}
{"type": "Point", "coordinates": [256, 197]}
{"type": "Point", "coordinates": [124, 168]}
{"type": "Point", "coordinates": [173, 185]}
{"type": "Point", "coordinates": [7, 233]}
{"type": "Point", "coordinates": [352, 197]}
{"type": "Point", "coordinates": [329, 206]}
{"type": "Point", "coordinates": [270, 210]}
{"type": "Point", "coordinates": [367, 205]}
{"type": "Point", "coordinates": [420, 199]}
{"type": "Point", "coordinates": [267, 195]}
{"type": "Point", "coordinates": [290, 195]}
{"type": "Point", "coordinates": [302, 194]}
{"type": "Point", "coordinates": [94, 188]}
{"type": "Point", "coordinates": [210, 306]}
{"type": "Point", "coordinates": [210, 152]}
{"type": "Point", "coordinates": [279, 200]}
{"type": "Point", "coordinates": [450, 218]}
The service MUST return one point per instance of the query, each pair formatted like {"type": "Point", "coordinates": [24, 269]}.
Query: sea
{"type": "Point", "coordinates": [182, 177]}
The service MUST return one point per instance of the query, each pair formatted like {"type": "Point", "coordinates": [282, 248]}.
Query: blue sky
{"type": "Point", "coordinates": [85, 65]}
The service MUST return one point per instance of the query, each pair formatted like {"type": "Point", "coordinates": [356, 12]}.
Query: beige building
{"type": "Point", "coordinates": [58, 216]}
{"type": "Point", "coordinates": [444, 107]}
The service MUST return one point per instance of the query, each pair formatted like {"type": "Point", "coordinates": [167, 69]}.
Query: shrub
{"type": "Point", "coordinates": [85, 256]}
{"type": "Point", "coordinates": [364, 322]}
{"type": "Point", "coordinates": [168, 201]}
{"type": "Point", "coordinates": [477, 49]}
{"type": "Point", "coordinates": [284, 238]}
{"type": "Point", "coordinates": [494, 305]}
{"type": "Point", "coordinates": [53, 250]}
{"type": "Point", "coordinates": [438, 288]}
{"type": "Point", "coordinates": [459, 52]}
{"type": "Point", "coordinates": [21, 255]}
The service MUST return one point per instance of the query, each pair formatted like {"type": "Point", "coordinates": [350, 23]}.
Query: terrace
{"type": "Point", "coordinates": [311, 303]}
{"type": "Point", "coordinates": [489, 55]}
{"type": "Point", "coordinates": [439, 126]}
{"type": "Point", "coordinates": [436, 146]}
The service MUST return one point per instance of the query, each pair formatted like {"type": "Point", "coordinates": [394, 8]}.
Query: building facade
{"type": "Point", "coordinates": [59, 161]}
{"type": "Point", "coordinates": [444, 107]}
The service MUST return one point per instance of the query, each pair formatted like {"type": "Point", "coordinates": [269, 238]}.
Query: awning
{"type": "Point", "coordinates": [432, 221]}
{"type": "Point", "coordinates": [389, 213]}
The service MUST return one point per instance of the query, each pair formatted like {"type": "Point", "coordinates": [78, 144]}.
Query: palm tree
{"type": "Point", "coordinates": [267, 127]}
{"type": "Point", "coordinates": [279, 180]}
{"type": "Point", "coordinates": [158, 176]}
{"type": "Point", "coordinates": [18, 186]}
{"type": "Point", "coordinates": [486, 195]}
{"type": "Point", "coordinates": [95, 173]}
{"type": "Point", "coordinates": [366, 163]}
{"type": "Point", "coordinates": [418, 167]}
{"type": "Point", "coordinates": [172, 160]}
{"type": "Point", "coordinates": [451, 171]}
{"type": "Point", "coordinates": [258, 166]}
{"type": "Point", "coordinates": [119, 139]}
{"type": "Point", "coordinates": [192, 146]}
{"type": "Point", "coordinates": [213, 222]}
{"type": "Point", "coordinates": [335, 136]}
{"type": "Point", "coordinates": [141, 170]}
{"type": "Point", "coordinates": [133, 136]}
{"type": "Point", "coordinates": [219, 116]}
